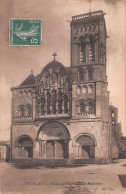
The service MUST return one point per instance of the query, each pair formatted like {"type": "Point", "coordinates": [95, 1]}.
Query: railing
{"type": "Point", "coordinates": [87, 114]}
{"type": "Point", "coordinates": [53, 115]}
{"type": "Point", "coordinates": [23, 118]}
{"type": "Point", "coordinates": [90, 14]}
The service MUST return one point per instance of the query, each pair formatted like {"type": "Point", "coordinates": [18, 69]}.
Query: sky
{"type": "Point", "coordinates": [16, 62]}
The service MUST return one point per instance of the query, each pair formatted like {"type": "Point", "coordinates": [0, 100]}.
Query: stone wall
{"type": "Point", "coordinates": [93, 128]}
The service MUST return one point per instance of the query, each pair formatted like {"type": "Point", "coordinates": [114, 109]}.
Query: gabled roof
{"type": "Point", "coordinates": [30, 80]}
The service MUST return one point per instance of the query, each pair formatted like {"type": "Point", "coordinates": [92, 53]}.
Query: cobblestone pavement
{"type": "Point", "coordinates": [87, 179]}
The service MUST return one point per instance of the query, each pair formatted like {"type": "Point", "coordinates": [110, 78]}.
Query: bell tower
{"type": "Point", "coordinates": [88, 39]}
{"type": "Point", "coordinates": [88, 63]}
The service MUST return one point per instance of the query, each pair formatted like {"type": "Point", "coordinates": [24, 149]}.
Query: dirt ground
{"type": "Point", "coordinates": [87, 179]}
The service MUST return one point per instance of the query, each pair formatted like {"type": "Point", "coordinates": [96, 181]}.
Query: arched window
{"type": "Point", "coordinates": [59, 102]}
{"type": "Point", "coordinates": [82, 51]}
{"type": "Point", "coordinates": [54, 102]}
{"type": "Point", "coordinates": [113, 114]}
{"type": "Point", "coordinates": [48, 102]}
{"type": "Point", "coordinates": [28, 111]}
{"type": "Point", "coordinates": [65, 104]}
{"type": "Point", "coordinates": [91, 107]}
{"type": "Point", "coordinates": [84, 89]}
{"type": "Point", "coordinates": [113, 122]}
{"type": "Point", "coordinates": [90, 88]}
{"type": "Point", "coordinates": [21, 111]}
{"type": "Point", "coordinates": [82, 106]}
{"type": "Point", "coordinates": [91, 49]}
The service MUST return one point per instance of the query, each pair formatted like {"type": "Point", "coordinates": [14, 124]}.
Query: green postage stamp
{"type": "Point", "coordinates": [25, 32]}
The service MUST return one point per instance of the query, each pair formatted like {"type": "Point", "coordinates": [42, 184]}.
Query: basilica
{"type": "Point", "coordinates": [64, 112]}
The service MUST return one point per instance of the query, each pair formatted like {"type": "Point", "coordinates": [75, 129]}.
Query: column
{"type": "Point", "coordinates": [40, 148]}
{"type": "Point", "coordinates": [96, 51]}
{"type": "Point", "coordinates": [98, 99]}
{"type": "Point", "coordinates": [75, 54]}
{"type": "Point", "coordinates": [34, 107]}
{"type": "Point", "coordinates": [87, 52]}
{"type": "Point", "coordinates": [44, 149]}
{"type": "Point", "coordinates": [62, 106]}
{"type": "Point", "coordinates": [71, 151]}
{"type": "Point", "coordinates": [45, 106]}
{"type": "Point", "coordinates": [91, 152]}
{"type": "Point", "coordinates": [36, 150]}
{"type": "Point", "coordinates": [66, 149]}
{"type": "Point", "coordinates": [56, 107]}
{"type": "Point", "coordinates": [79, 151]}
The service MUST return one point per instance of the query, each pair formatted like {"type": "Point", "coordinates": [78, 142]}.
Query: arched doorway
{"type": "Point", "coordinates": [86, 146]}
{"type": "Point", "coordinates": [25, 147]}
{"type": "Point", "coordinates": [53, 140]}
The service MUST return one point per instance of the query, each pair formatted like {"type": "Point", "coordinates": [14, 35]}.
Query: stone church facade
{"type": "Point", "coordinates": [64, 111]}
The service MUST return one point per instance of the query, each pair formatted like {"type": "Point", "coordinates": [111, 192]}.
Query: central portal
{"type": "Point", "coordinates": [53, 140]}
{"type": "Point", "coordinates": [56, 149]}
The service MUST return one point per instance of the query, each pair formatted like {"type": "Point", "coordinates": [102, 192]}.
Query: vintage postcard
{"type": "Point", "coordinates": [62, 97]}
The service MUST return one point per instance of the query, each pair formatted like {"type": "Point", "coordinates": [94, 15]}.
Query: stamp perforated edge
{"type": "Point", "coordinates": [26, 19]}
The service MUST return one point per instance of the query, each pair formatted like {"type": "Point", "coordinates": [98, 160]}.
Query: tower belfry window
{"type": "Point", "coordinates": [91, 51]}
{"type": "Point", "coordinates": [83, 52]}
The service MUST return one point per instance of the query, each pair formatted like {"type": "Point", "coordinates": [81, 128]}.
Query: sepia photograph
{"type": "Point", "coordinates": [62, 97]}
